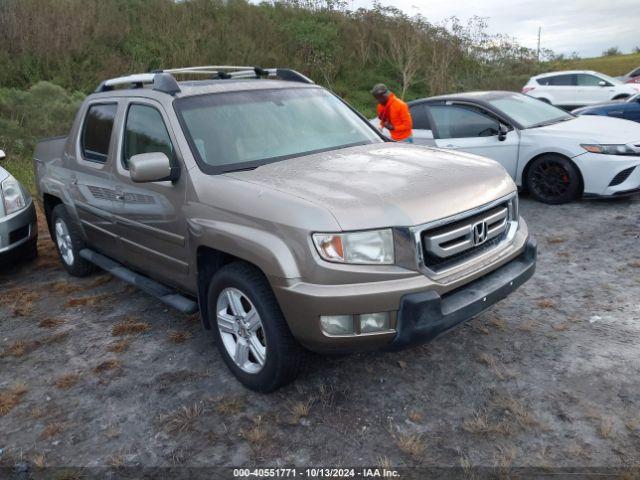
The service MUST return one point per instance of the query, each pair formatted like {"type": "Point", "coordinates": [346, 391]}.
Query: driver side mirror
{"type": "Point", "coordinates": [152, 167]}
{"type": "Point", "coordinates": [503, 130]}
{"type": "Point", "coordinates": [602, 83]}
{"type": "Point", "coordinates": [2, 155]}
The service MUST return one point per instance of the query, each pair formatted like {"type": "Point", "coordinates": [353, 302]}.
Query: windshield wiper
{"type": "Point", "coordinates": [550, 122]}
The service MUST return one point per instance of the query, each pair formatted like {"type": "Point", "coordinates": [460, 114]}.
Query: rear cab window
{"type": "Point", "coordinates": [96, 131]}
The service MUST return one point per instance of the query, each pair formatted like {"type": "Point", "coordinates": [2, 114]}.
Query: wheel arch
{"type": "Point", "coordinates": [49, 202]}
{"type": "Point", "coordinates": [621, 96]}
{"type": "Point", "coordinates": [527, 167]}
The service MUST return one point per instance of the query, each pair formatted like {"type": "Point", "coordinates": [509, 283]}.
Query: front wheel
{"type": "Point", "coordinates": [553, 179]}
{"type": "Point", "coordinates": [250, 330]}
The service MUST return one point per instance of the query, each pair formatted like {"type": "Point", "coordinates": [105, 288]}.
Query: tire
{"type": "Point", "coordinates": [553, 179]}
{"type": "Point", "coordinates": [282, 356]}
{"type": "Point", "coordinates": [69, 242]}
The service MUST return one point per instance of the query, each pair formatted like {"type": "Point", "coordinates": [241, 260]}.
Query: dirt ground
{"type": "Point", "coordinates": [96, 373]}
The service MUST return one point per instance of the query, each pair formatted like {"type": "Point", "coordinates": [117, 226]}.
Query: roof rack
{"type": "Point", "coordinates": [164, 80]}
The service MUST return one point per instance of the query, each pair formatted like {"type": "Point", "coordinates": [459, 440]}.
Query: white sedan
{"type": "Point", "coordinates": [553, 154]}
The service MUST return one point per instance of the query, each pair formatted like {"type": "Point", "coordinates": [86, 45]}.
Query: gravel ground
{"type": "Point", "coordinates": [96, 373]}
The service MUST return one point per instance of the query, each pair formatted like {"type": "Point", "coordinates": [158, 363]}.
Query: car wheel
{"type": "Point", "coordinates": [69, 243]}
{"type": "Point", "coordinates": [250, 330]}
{"type": "Point", "coordinates": [553, 179]}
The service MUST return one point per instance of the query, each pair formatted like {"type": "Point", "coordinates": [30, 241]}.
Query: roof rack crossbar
{"type": "Point", "coordinates": [164, 81]}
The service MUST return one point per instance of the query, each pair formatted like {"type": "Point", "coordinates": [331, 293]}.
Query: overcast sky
{"type": "Point", "coordinates": [584, 26]}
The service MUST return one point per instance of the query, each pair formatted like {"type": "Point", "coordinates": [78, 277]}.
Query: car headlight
{"type": "Point", "coordinates": [367, 247]}
{"type": "Point", "coordinates": [621, 149]}
{"type": "Point", "coordinates": [12, 196]}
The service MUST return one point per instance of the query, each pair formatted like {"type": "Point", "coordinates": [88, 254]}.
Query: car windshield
{"type": "Point", "coordinates": [246, 129]}
{"type": "Point", "coordinates": [634, 98]}
{"type": "Point", "coordinates": [528, 111]}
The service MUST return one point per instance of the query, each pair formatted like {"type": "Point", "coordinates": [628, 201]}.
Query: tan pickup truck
{"type": "Point", "coordinates": [276, 210]}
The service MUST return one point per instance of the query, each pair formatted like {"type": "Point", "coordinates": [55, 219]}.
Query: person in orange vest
{"type": "Point", "coordinates": [394, 114]}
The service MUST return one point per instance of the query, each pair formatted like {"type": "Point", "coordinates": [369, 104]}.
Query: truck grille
{"type": "Point", "coordinates": [461, 240]}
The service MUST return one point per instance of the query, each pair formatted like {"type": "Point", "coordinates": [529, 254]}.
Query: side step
{"type": "Point", "coordinates": [158, 290]}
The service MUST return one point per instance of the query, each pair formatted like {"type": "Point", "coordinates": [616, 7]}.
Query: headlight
{"type": "Point", "coordinates": [610, 149]}
{"type": "Point", "coordinates": [368, 247]}
{"type": "Point", "coordinates": [12, 196]}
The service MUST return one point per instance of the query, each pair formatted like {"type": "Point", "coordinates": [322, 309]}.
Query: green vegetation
{"type": "Point", "coordinates": [614, 65]}
{"type": "Point", "coordinates": [53, 52]}
{"type": "Point", "coordinates": [28, 115]}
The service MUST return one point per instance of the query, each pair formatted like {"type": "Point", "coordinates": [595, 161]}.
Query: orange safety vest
{"type": "Point", "coordinates": [396, 112]}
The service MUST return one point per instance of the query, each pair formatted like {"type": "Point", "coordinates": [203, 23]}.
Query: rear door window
{"type": "Point", "coordinates": [565, 80]}
{"type": "Point", "coordinates": [145, 132]}
{"type": "Point", "coordinates": [96, 131]}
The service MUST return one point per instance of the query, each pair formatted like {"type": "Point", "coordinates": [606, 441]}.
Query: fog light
{"type": "Point", "coordinates": [337, 324]}
{"type": "Point", "coordinates": [374, 322]}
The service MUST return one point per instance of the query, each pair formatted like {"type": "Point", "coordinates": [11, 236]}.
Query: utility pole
{"type": "Point", "coordinates": [539, 33]}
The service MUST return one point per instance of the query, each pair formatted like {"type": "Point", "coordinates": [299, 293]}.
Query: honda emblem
{"type": "Point", "coordinates": [479, 233]}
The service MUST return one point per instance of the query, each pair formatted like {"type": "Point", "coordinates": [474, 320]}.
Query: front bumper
{"type": "Point", "coordinates": [18, 230]}
{"type": "Point", "coordinates": [424, 316]}
{"type": "Point", "coordinates": [599, 170]}
{"type": "Point", "coordinates": [302, 303]}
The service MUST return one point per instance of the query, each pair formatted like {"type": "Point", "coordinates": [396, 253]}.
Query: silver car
{"type": "Point", "coordinates": [18, 224]}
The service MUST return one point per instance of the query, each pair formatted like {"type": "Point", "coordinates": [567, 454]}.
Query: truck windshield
{"type": "Point", "coordinates": [242, 130]}
{"type": "Point", "coordinates": [529, 112]}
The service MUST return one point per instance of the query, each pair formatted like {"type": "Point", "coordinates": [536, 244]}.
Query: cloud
{"type": "Point", "coordinates": [585, 26]}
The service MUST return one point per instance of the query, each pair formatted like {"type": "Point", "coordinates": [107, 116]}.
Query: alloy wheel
{"type": "Point", "coordinates": [241, 330]}
{"type": "Point", "coordinates": [63, 240]}
{"type": "Point", "coordinates": [550, 180]}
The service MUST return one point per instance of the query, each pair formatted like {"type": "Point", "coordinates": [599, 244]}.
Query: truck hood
{"type": "Point", "coordinates": [593, 129]}
{"type": "Point", "coordinates": [389, 184]}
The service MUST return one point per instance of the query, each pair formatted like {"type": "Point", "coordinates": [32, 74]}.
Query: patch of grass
{"type": "Point", "coordinates": [106, 366]}
{"type": "Point", "coordinates": [257, 434]}
{"type": "Point", "coordinates": [498, 323]}
{"type": "Point", "coordinates": [410, 443]}
{"type": "Point", "coordinates": [11, 397]}
{"type": "Point", "coordinates": [98, 282]}
{"type": "Point", "coordinates": [385, 462]}
{"type": "Point", "coordinates": [606, 427]}
{"type": "Point", "coordinates": [529, 326]}
{"type": "Point", "coordinates": [20, 348]}
{"type": "Point", "coordinates": [39, 460]}
{"type": "Point", "coordinates": [67, 381]}
{"type": "Point", "coordinates": [183, 418]}
{"type": "Point", "coordinates": [479, 423]}
{"type": "Point", "coordinates": [130, 327]}
{"type": "Point", "coordinates": [52, 430]}
{"type": "Point", "coordinates": [179, 336]}
{"type": "Point", "coordinates": [614, 65]}
{"type": "Point", "coordinates": [230, 406]}
{"type": "Point", "coordinates": [415, 416]}
{"type": "Point", "coordinates": [522, 415]}
{"type": "Point", "coordinates": [632, 424]}
{"type": "Point", "coordinates": [119, 347]}
{"type": "Point", "coordinates": [546, 303]}
{"type": "Point", "coordinates": [300, 410]}
{"type": "Point", "coordinates": [21, 302]}
{"type": "Point", "coordinates": [634, 263]}
{"type": "Point", "coordinates": [50, 322]}
{"type": "Point", "coordinates": [561, 327]}
{"type": "Point", "coordinates": [554, 240]}
{"type": "Point", "coordinates": [88, 301]}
